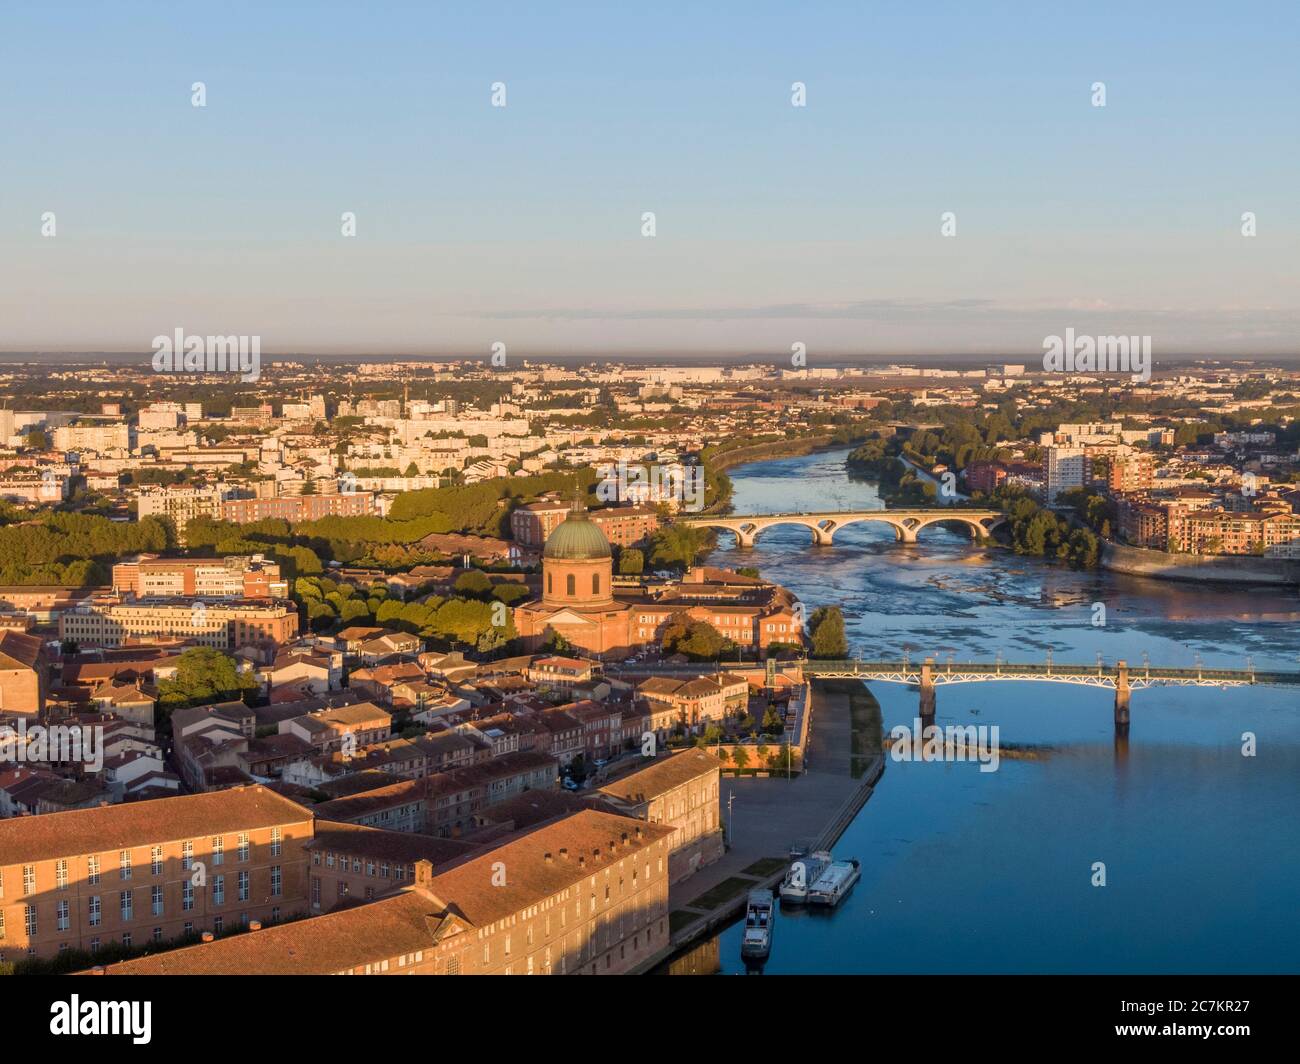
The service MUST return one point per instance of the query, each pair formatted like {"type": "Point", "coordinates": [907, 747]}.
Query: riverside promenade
{"type": "Point", "coordinates": [768, 815]}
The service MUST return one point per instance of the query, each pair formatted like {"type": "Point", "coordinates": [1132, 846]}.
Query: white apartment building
{"type": "Point", "coordinates": [1065, 467]}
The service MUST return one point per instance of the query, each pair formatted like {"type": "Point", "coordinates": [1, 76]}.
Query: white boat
{"type": "Point", "coordinates": [836, 881]}
{"type": "Point", "coordinates": [757, 941]}
{"type": "Point", "coordinates": [802, 874]}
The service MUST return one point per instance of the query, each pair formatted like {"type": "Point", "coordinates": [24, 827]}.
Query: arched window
{"type": "Point", "coordinates": [571, 584]}
{"type": "Point", "coordinates": [595, 583]}
{"type": "Point", "coordinates": [550, 583]}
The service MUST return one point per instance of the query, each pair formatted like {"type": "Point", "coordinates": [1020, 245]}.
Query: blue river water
{"type": "Point", "coordinates": [993, 872]}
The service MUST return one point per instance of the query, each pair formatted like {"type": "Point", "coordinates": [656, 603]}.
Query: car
{"type": "Point", "coordinates": [600, 762]}
{"type": "Point", "coordinates": [569, 784]}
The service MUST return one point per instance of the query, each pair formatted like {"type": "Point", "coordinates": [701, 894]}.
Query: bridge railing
{"type": "Point", "coordinates": [862, 667]}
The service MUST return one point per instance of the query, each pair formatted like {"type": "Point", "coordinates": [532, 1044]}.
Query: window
{"type": "Point", "coordinates": [218, 851]}
{"type": "Point", "coordinates": [155, 861]}
{"type": "Point", "coordinates": [187, 855]}
{"type": "Point", "coordinates": [61, 874]}
{"type": "Point", "coordinates": [94, 910]}
{"type": "Point", "coordinates": [187, 896]}
{"type": "Point", "coordinates": [124, 864]}
{"type": "Point", "coordinates": [243, 846]}
{"type": "Point", "coordinates": [275, 881]}
{"type": "Point", "coordinates": [276, 837]}
{"type": "Point", "coordinates": [595, 583]}
{"type": "Point", "coordinates": [217, 924]}
{"type": "Point", "coordinates": [157, 934]}
{"type": "Point", "coordinates": [61, 913]}
{"type": "Point", "coordinates": [241, 883]}
{"type": "Point", "coordinates": [156, 896]}
{"type": "Point", "coordinates": [218, 890]}
{"type": "Point", "coordinates": [29, 879]}
{"type": "Point", "coordinates": [571, 584]}
{"type": "Point", "coordinates": [126, 901]}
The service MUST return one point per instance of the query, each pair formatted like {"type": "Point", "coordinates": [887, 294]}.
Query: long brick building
{"type": "Point", "coordinates": [146, 872]}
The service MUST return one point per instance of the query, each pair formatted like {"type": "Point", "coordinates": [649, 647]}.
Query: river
{"type": "Point", "coordinates": [966, 871]}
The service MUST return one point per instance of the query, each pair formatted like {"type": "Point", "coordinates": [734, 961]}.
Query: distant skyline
{"type": "Point", "coordinates": [775, 224]}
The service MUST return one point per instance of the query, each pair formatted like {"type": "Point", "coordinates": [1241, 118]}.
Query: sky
{"type": "Point", "coordinates": [774, 224]}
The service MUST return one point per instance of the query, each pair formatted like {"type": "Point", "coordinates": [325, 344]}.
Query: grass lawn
{"type": "Point", "coordinates": [726, 890]}
{"type": "Point", "coordinates": [764, 867]}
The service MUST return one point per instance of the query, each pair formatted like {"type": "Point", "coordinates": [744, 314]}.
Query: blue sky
{"type": "Point", "coordinates": [775, 224]}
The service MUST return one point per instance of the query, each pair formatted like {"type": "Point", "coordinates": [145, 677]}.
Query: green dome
{"type": "Point", "coordinates": [577, 539]}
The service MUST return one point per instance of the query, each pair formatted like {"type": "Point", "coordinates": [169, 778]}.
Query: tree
{"type": "Point", "coordinates": [741, 757]}
{"type": "Point", "coordinates": [828, 638]}
{"type": "Point", "coordinates": [679, 545]}
{"type": "Point", "coordinates": [698, 640]}
{"type": "Point", "coordinates": [473, 584]}
{"type": "Point", "coordinates": [631, 562]}
{"type": "Point", "coordinates": [204, 676]}
{"type": "Point", "coordinates": [724, 755]}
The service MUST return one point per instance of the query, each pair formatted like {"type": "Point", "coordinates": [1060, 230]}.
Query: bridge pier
{"type": "Point", "coordinates": [904, 535]}
{"type": "Point", "coordinates": [822, 538]}
{"type": "Point", "coordinates": [928, 700]}
{"type": "Point", "coordinates": [1121, 699]}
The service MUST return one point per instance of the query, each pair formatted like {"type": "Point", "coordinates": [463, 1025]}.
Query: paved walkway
{"type": "Point", "coordinates": [768, 815]}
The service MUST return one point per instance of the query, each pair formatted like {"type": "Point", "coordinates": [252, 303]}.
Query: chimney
{"type": "Point", "coordinates": [564, 853]}
{"type": "Point", "coordinates": [547, 858]}
{"type": "Point", "coordinates": [626, 841]}
{"type": "Point", "coordinates": [582, 861]}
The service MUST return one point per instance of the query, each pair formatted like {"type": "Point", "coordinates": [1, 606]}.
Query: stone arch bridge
{"type": "Point", "coordinates": [823, 526]}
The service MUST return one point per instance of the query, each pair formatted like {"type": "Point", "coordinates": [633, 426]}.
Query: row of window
{"type": "Point", "coordinates": [216, 856]}
{"type": "Point", "coordinates": [126, 902]}
{"type": "Point", "coordinates": [218, 926]}
{"type": "Point", "coordinates": [342, 861]}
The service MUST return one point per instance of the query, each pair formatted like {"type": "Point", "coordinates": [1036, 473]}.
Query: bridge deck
{"type": "Point", "coordinates": [968, 672]}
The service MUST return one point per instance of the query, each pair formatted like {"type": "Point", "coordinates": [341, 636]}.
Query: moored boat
{"type": "Point", "coordinates": [801, 875]}
{"type": "Point", "coordinates": [834, 883]}
{"type": "Point", "coordinates": [757, 941]}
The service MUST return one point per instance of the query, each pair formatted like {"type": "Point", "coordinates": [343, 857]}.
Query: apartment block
{"type": "Point", "coordinates": [223, 625]}
{"type": "Point", "coordinates": [584, 894]}
{"type": "Point", "coordinates": [295, 508]}
{"type": "Point", "coordinates": [681, 792]}
{"type": "Point", "coordinates": [150, 871]}
{"type": "Point", "coordinates": [238, 577]}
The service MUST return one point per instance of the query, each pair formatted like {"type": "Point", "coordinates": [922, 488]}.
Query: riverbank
{"type": "Point", "coordinates": [1200, 568]}
{"type": "Point", "coordinates": [767, 816]}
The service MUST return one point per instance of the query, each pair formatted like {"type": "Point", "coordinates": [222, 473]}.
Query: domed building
{"type": "Point", "coordinates": [577, 590]}
{"type": "Point", "coordinates": [578, 601]}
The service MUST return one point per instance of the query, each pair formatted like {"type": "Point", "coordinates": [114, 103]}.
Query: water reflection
{"type": "Point", "coordinates": [990, 872]}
